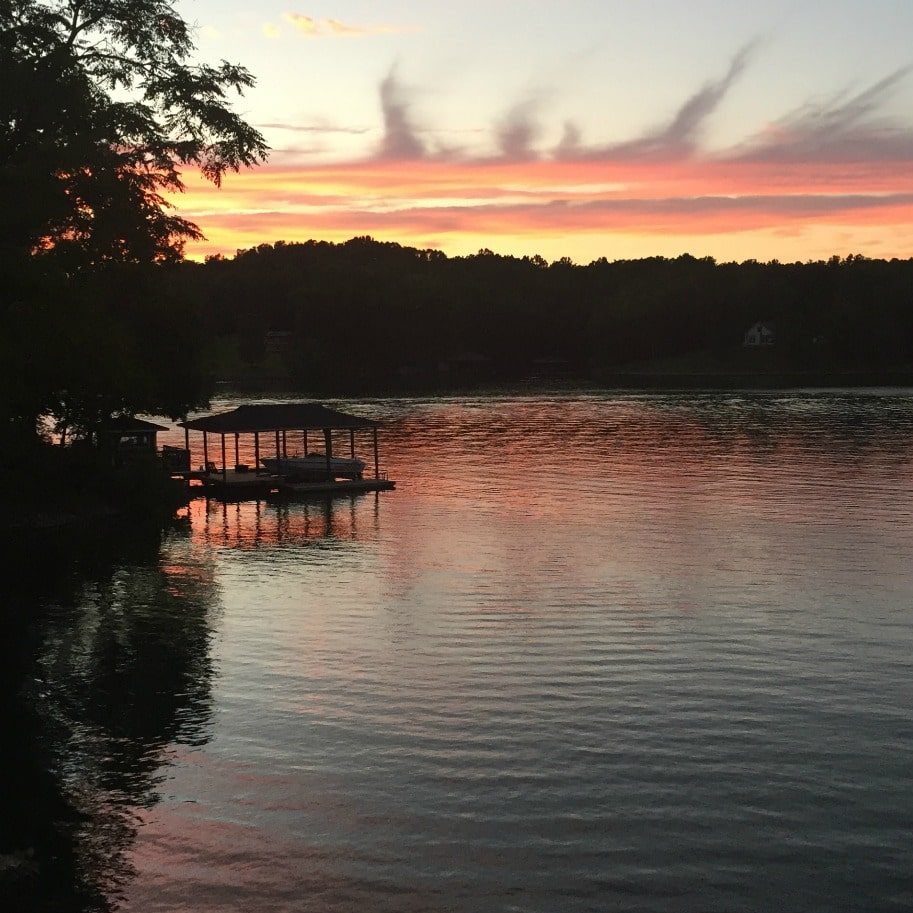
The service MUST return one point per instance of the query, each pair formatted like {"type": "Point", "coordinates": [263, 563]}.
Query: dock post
{"type": "Point", "coordinates": [328, 441]}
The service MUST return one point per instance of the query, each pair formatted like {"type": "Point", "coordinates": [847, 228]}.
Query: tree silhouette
{"type": "Point", "coordinates": [108, 107]}
{"type": "Point", "coordinates": [369, 316]}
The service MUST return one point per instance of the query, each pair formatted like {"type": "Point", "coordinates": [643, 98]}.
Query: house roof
{"type": "Point", "coordinates": [277, 417]}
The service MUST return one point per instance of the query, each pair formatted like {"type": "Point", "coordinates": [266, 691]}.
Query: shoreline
{"type": "Point", "coordinates": [631, 381]}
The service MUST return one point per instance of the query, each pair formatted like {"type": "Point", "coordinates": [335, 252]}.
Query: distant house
{"type": "Point", "coordinates": [761, 334]}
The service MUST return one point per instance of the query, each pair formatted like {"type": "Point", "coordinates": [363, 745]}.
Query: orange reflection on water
{"type": "Point", "coordinates": [262, 523]}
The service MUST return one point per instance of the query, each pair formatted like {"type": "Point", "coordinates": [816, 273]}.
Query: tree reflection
{"type": "Point", "coordinates": [107, 664]}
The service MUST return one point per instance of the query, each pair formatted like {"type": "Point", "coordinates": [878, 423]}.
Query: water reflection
{"type": "Point", "coordinates": [282, 523]}
{"type": "Point", "coordinates": [596, 652]}
{"type": "Point", "coordinates": [106, 673]}
{"type": "Point", "coordinates": [108, 679]}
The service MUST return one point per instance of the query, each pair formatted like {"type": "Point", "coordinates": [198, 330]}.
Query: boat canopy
{"type": "Point", "coordinates": [255, 418]}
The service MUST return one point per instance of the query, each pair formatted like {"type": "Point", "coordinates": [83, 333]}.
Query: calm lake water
{"type": "Point", "coordinates": [596, 652]}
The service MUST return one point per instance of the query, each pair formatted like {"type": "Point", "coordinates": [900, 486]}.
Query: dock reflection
{"type": "Point", "coordinates": [267, 524]}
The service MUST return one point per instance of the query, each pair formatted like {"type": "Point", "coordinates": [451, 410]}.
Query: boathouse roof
{"type": "Point", "coordinates": [127, 423]}
{"type": "Point", "coordinates": [277, 417]}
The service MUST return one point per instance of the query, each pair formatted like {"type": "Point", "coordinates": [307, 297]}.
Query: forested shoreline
{"type": "Point", "coordinates": [370, 317]}
{"type": "Point", "coordinates": [104, 317]}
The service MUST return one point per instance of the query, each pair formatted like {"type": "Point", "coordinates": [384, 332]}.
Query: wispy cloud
{"type": "Point", "coordinates": [313, 128]}
{"type": "Point", "coordinates": [400, 140]}
{"type": "Point", "coordinates": [333, 28]}
{"type": "Point", "coordinates": [839, 165]}
{"type": "Point", "coordinates": [516, 136]}
{"type": "Point", "coordinates": [847, 128]}
{"type": "Point", "coordinates": [518, 131]}
{"type": "Point", "coordinates": [681, 135]}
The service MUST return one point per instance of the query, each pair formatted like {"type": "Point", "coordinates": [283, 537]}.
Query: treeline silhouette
{"type": "Point", "coordinates": [371, 316]}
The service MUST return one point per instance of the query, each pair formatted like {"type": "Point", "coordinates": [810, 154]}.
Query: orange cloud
{"type": "Point", "coordinates": [513, 204]}
{"type": "Point", "coordinates": [833, 170]}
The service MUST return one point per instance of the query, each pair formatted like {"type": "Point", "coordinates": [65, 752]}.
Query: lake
{"type": "Point", "coordinates": [595, 652]}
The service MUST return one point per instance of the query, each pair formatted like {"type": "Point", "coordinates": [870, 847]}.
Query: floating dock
{"type": "Point", "coordinates": [234, 485]}
{"type": "Point", "coordinates": [278, 421]}
{"type": "Point", "coordinates": [337, 486]}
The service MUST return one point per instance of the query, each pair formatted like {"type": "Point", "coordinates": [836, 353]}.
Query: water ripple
{"type": "Point", "coordinates": [633, 652]}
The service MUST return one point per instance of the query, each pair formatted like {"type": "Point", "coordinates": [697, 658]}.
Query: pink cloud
{"type": "Point", "coordinates": [829, 167]}
{"type": "Point", "coordinates": [523, 200]}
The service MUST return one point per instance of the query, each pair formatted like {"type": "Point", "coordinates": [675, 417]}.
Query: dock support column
{"type": "Point", "coordinates": [256, 451]}
{"type": "Point", "coordinates": [224, 469]}
{"type": "Point", "coordinates": [328, 440]}
{"type": "Point", "coordinates": [376, 463]}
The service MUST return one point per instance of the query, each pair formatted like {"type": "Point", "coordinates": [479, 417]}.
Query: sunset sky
{"type": "Point", "coordinates": [581, 129]}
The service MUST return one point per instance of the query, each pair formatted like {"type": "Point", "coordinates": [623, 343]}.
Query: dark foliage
{"type": "Point", "coordinates": [103, 106]}
{"type": "Point", "coordinates": [107, 107]}
{"type": "Point", "coordinates": [369, 316]}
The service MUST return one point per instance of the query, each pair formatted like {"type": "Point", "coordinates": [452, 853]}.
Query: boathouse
{"type": "Point", "coordinates": [128, 439]}
{"type": "Point", "coordinates": [277, 427]}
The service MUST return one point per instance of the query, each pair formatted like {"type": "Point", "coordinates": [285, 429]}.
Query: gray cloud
{"type": "Point", "coordinates": [399, 140]}
{"type": "Point", "coordinates": [569, 145]}
{"type": "Point", "coordinates": [518, 131]}
{"type": "Point", "coordinates": [845, 129]}
{"type": "Point", "coordinates": [686, 125]}
{"type": "Point", "coordinates": [680, 136]}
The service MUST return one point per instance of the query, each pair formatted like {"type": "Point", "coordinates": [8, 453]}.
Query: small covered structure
{"type": "Point", "coordinates": [129, 438]}
{"type": "Point", "coordinates": [271, 426]}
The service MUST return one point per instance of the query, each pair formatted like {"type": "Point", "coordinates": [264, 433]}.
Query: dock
{"type": "Point", "coordinates": [333, 486]}
{"type": "Point", "coordinates": [235, 485]}
{"type": "Point", "coordinates": [324, 473]}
